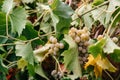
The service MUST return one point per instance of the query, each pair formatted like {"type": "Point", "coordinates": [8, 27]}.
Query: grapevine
{"type": "Point", "coordinates": [59, 39]}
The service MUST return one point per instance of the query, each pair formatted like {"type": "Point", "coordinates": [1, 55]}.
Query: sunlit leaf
{"type": "Point", "coordinates": [7, 6]}
{"type": "Point", "coordinates": [61, 7]}
{"type": "Point", "coordinates": [22, 63]}
{"type": "Point", "coordinates": [99, 14]}
{"type": "Point", "coordinates": [97, 2]}
{"type": "Point", "coordinates": [99, 64]}
{"type": "Point", "coordinates": [41, 52]}
{"type": "Point", "coordinates": [39, 71]}
{"type": "Point", "coordinates": [97, 48]}
{"type": "Point", "coordinates": [27, 1]}
{"type": "Point", "coordinates": [18, 20]}
{"type": "Point", "coordinates": [71, 57]}
{"type": "Point", "coordinates": [111, 8]}
{"type": "Point", "coordinates": [110, 46]}
{"type": "Point", "coordinates": [25, 51]}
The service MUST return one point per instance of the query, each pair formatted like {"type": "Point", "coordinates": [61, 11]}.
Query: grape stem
{"type": "Point", "coordinates": [57, 63]}
{"type": "Point", "coordinates": [96, 7]}
{"type": "Point", "coordinates": [109, 75]}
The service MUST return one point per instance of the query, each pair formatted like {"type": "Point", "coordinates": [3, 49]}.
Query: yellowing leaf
{"type": "Point", "coordinates": [99, 64]}
{"type": "Point", "coordinates": [105, 64]}
{"type": "Point", "coordinates": [22, 63]}
{"type": "Point", "coordinates": [97, 70]}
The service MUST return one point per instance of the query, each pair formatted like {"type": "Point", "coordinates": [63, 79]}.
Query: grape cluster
{"type": "Point", "coordinates": [81, 37]}
{"type": "Point", "coordinates": [54, 45]}
{"type": "Point", "coordinates": [57, 74]}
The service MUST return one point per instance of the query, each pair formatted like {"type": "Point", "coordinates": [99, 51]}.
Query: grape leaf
{"type": "Point", "coordinates": [29, 32]}
{"type": "Point", "coordinates": [110, 46]}
{"type": "Point", "coordinates": [99, 64]}
{"type": "Point", "coordinates": [3, 69]}
{"type": "Point", "coordinates": [2, 27]}
{"type": "Point", "coordinates": [18, 20]}
{"type": "Point", "coordinates": [22, 63]}
{"type": "Point", "coordinates": [7, 6]}
{"type": "Point", "coordinates": [39, 71]}
{"type": "Point", "coordinates": [27, 1]}
{"type": "Point", "coordinates": [97, 2]}
{"type": "Point", "coordinates": [61, 7]}
{"type": "Point", "coordinates": [71, 57]}
{"type": "Point", "coordinates": [115, 56]}
{"type": "Point", "coordinates": [100, 15]}
{"type": "Point", "coordinates": [111, 9]}
{"type": "Point", "coordinates": [97, 48]}
{"type": "Point", "coordinates": [116, 18]}
{"type": "Point", "coordinates": [55, 19]}
{"type": "Point", "coordinates": [87, 19]}
{"type": "Point", "coordinates": [25, 51]}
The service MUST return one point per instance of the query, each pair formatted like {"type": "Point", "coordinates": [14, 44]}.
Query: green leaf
{"type": "Point", "coordinates": [22, 63]}
{"type": "Point", "coordinates": [39, 71]}
{"type": "Point", "coordinates": [29, 32]}
{"type": "Point", "coordinates": [115, 55]}
{"type": "Point", "coordinates": [116, 17]}
{"type": "Point", "coordinates": [87, 19]}
{"type": "Point", "coordinates": [3, 70]}
{"type": "Point", "coordinates": [2, 27]}
{"type": "Point", "coordinates": [46, 27]}
{"type": "Point", "coordinates": [7, 6]}
{"type": "Point", "coordinates": [99, 14]}
{"type": "Point", "coordinates": [54, 4]}
{"type": "Point", "coordinates": [97, 2]}
{"type": "Point", "coordinates": [27, 1]}
{"type": "Point", "coordinates": [63, 25]}
{"type": "Point", "coordinates": [31, 70]}
{"type": "Point", "coordinates": [1, 2]}
{"type": "Point", "coordinates": [63, 10]}
{"type": "Point", "coordinates": [97, 48]}
{"type": "Point", "coordinates": [71, 57]}
{"type": "Point", "coordinates": [111, 9]}
{"type": "Point", "coordinates": [18, 20]}
{"type": "Point", "coordinates": [25, 51]}
{"type": "Point", "coordinates": [55, 19]}
{"type": "Point", "coordinates": [110, 46]}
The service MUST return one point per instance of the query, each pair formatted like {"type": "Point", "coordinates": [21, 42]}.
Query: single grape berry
{"type": "Point", "coordinates": [50, 39]}
{"type": "Point", "coordinates": [73, 29]}
{"type": "Point", "coordinates": [57, 45]}
{"type": "Point", "coordinates": [79, 32]}
{"type": "Point", "coordinates": [77, 39]}
{"type": "Point", "coordinates": [80, 48]}
{"type": "Point", "coordinates": [61, 45]}
{"type": "Point", "coordinates": [100, 37]}
{"type": "Point", "coordinates": [56, 49]}
{"type": "Point", "coordinates": [115, 39]}
{"type": "Point", "coordinates": [54, 40]}
{"type": "Point", "coordinates": [52, 46]}
{"type": "Point", "coordinates": [54, 72]}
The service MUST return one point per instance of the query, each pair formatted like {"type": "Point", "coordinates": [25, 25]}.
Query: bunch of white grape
{"type": "Point", "coordinates": [81, 37]}
{"type": "Point", "coordinates": [55, 46]}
